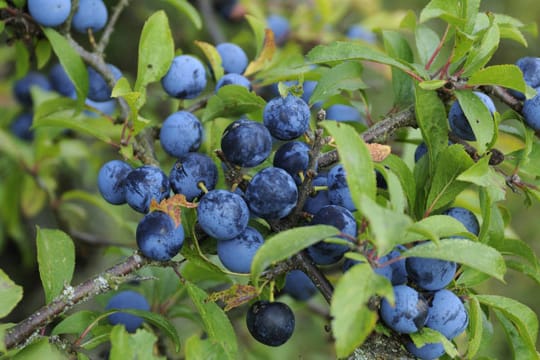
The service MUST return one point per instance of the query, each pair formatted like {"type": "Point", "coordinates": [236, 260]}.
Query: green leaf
{"type": "Point", "coordinates": [509, 76]}
{"type": "Point", "coordinates": [433, 123]}
{"type": "Point", "coordinates": [448, 10]}
{"type": "Point", "coordinates": [434, 228]}
{"type": "Point", "coordinates": [232, 100]}
{"type": "Point", "coordinates": [71, 62]}
{"type": "Point", "coordinates": [10, 294]}
{"type": "Point", "coordinates": [432, 84]}
{"type": "Point", "coordinates": [342, 51]}
{"type": "Point", "coordinates": [187, 9]}
{"type": "Point", "coordinates": [396, 45]}
{"type": "Point", "coordinates": [427, 42]}
{"type": "Point", "coordinates": [479, 117]}
{"type": "Point", "coordinates": [43, 53]}
{"type": "Point", "coordinates": [387, 225]}
{"type": "Point", "coordinates": [75, 323]}
{"type": "Point", "coordinates": [451, 162]}
{"type": "Point", "coordinates": [405, 176]}
{"type": "Point", "coordinates": [346, 76]}
{"type": "Point", "coordinates": [56, 259]}
{"type": "Point", "coordinates": [430, 336]}
{"type": "Point", "coordinates": [216, 323]}
{"type": "Point", "coordinates": [479, 56]}
{"type": "Point", "coordinates": [523, 318]}
{"type": "Point", "coordinates": [349, 307]}
{"type": "Point", "coordinates": [473, 254]}
{"type": "Point", "coordinates": [519, 346]}
{"type": "Point", "coordinates": [258, 26]}
{"type": "Point", "coordinates": [483, 175]}
{"type": "Point", "coordinates": [492, 228]}
{"type": "Point", "coordinates": [518, 247]}
{"type": "Point", "coordinates": [120, 344]}
{"type": "Point", "coordinates": [198, 349]}
{"type": "Point", "coordinates": [471, 9]}
{"type": "Point", "coordinates": [156, 52]}
{"type": "Point", "coordinates": [355, 158]}
{"type": "Point", "coordinates": [475, 328]}
{"type": "Point", "coordinates": [156, 320]}
{"type": "Point", "coordinates": [39, 350]}
{"type": "Point", "coordinates": [287, 243]}
{"type": "Point", "coordinates": [213, 57]}
{"type": "Point", "coordinates": [59, 113]}
{"type": "Point", "coordinates": [22, 63]}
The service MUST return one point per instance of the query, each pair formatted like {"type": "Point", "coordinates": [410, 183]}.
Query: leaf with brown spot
{"type": "Point", "coordinates": [172, 206]}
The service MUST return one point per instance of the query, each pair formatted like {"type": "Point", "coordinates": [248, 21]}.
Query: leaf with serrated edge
{"type": "Point", "coordinates": [56, 260]}
{"type": "Point", "coordinates": [521, 315]}
{"type": "Point", "coordinates": [473, 254]}
{"type": "Point", "coordinates": [216, 323]}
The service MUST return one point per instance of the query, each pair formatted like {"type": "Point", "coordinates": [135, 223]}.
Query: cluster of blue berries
{"type": "Point", "coordinates": [421, 297]}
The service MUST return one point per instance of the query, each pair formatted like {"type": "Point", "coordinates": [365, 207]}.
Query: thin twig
{"type": "Point", "coordinates": [107, 32]}
{"type": "Point", "coordinates": [72, 296]}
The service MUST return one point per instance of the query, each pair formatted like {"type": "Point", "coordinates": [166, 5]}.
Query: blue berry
{"type": "Point", "coordinates": [23, 86]}
{"type": "Point", "coordinates": [396, 272]}
{"type": "Point", "coordinates": [459, 124]}
{"type": "Point", "coordinates": [286, 118]}
{"type": "Point", "coordinates": [340, 112]}
{"type": "Point", "coordinates": [49, 12]}
{"type": "Point", "coordinates": [430, 274]}
{"type": "Point", "coordinates": [531, 112]}
{"type": "Point", "coordinates": [222, 214]}
{"type": "Point", "coordinates": [316, 201]}
{"type": "Point", "coordinates": [447, 314]}
{"type": "Point", "coordinates": [159, 237]}
{"type": "Point", "coordinates": [236, 254]}
{"type": "Point", "coordinates": [324, 253]}
{"type": "Point", "coordinates": [270, 323]}
{"type": "Point", "coordinates": [181, 133]}
{"type": "Point", "coordinates": [91, 14]}
{"type": "Point", "coordinates": [189, 171]}
{"type": "Point", "coordinates": [272, 193]}
{"type": "Point", "coordinates": [409, 313]}
{"type": "Point", "coordinates": [127, 300]}
{"type": "Point", "coordinates": [98, 88]}
{"type": "Point", "coordinates": [430, 351]}
{"type": "Point", "coordinates": [144, 184]}
{"type": "Point", "coordinates": [530, 67]}
{"type": "Point", "coordinates": [246, 143]}
{"type": "Point", "coordinates": [185, 79]}
{"type": "Point", "coordinates": [21, 126]}
{"type": "Point", "coordinates": [299, 286]}
{"type": "Point", "coordinates": [466, 217]}
{"type": "Point", "coordinates": [420, 151]}
{"type": "Point", "coordinates": [233, 58]}
{"type": "Point", "coordinates": [60, 80]}
{"type": "Point", "coordinates": [293, 157]}
{"type": "Point", "coordinates": [358, 32]}
{"type": "Point", "coordinates": [338, 189]}
{"type": "Point", "coordinates": [111, 181]}
{"type": "Point", "coordinates": [280, 27]}
{"type": "Point", "coordinates": [233, 79]}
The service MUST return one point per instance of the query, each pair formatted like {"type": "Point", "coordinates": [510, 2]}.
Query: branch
{"type": "Point", "coordinates": [72, 296]}
{"type": "Point", "coordinates": [211, 21]}
{"type": "Point", "coordinates": [504, 96]}
{"type": "Point", "coordinates": [105, 37]}
{"type": "Point", "coordinates": [379, 131]}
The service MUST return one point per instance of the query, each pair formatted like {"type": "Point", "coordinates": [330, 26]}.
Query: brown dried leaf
{"type": "Point", "coordinates": [267, 53]}
{"type": "Point", "coordinates": [235, 296]}
{"type": "Point", "coordinates": [379, 152]}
